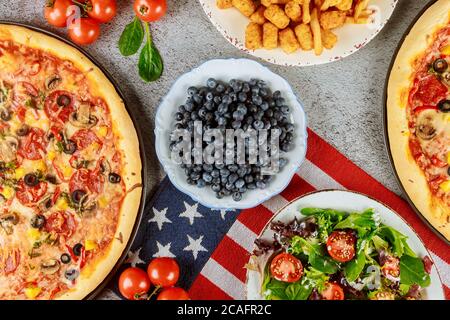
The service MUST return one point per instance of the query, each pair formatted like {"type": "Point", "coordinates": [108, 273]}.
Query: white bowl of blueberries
{"type": "Point", "coordinates": [242, 95]}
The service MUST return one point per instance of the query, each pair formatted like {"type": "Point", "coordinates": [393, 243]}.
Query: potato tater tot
{"type": "Point", "coordinates": [329, 39]}
{"type": "Point", "coordinates": [258, 15]}
{"type": "Point", "coordinates": [288, 41]}
{"type": "Point", "coordinates": [304, 36]}
{"type": "Point", "coordinates": [270, 36]}
{"type": "Point", "coordinates": [332, 19]}
{"type": "Point", "coordinates": [246, 7]}
{"type": "Point", "coordinates": [277, 16]}
{"type": "Point", "coordinates": [224, 4]}
{"type": "Point", "coordinates": [253, 36]}
{"type": "Point", "coordinates": [293, 11]}
{"type": "Point", "coordinates": [266, 3]}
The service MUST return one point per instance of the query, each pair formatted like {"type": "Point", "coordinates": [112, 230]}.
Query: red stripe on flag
{"type": "Point", "coordinates": [296, 188]}
{"type": "Point", "coordinates": [240, 257]}
{"type": "Point", "coordinates": [354, 178]}
{"type": "Point", "coordinates": [203, 289]}
{"type": "Point", "coordinates": [255, 218]}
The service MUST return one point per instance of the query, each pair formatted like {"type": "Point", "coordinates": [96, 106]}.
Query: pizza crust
{"type": "Point", "coordinates": [401, 77]}
{"type": "Point", "coordinates": [123, 128]}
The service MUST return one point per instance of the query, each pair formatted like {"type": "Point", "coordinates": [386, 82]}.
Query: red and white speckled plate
{"type": "Point", "coordinates": [231, 23]}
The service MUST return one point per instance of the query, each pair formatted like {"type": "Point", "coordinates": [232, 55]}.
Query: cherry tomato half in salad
{"type": "Point", "coordinates": [150, 10]}
{"type": "Point", "coordinates": [163, 272]}
{"type": "Point", "coordinates": [134, 283]}
{"type": "Point", "coordinates": [287, 268]}
{"type": "Point", "coordinates": [57, 12]}
{"type": "Point", "coordinates": [84, 31]}
{"type": "Point", "coordinates": [333, 291]}
{"type": "Point", "coordinates": [103, 10]}
{"type": "Point", "coordinates": [173, 294]}
{"type": "Point", "coordinates": [391, 267]}
{"type": "Point", "coordinates": [341, 245]}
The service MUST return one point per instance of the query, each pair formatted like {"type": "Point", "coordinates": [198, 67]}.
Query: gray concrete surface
{"type": "Point", "coordinates": [343, 100]}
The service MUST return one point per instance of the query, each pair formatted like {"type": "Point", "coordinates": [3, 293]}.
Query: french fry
{"type": "Point", "coordinates": [246, 7]}
{"type": "Point", "coordinates": [304, 36]}
{"type": "Point", "coordinates": [345, 5]}
{"type": "Point", "coordinates": [326, 4]}
{"type": "Point", "coordinates": [360, 6]}
{"type": "Point", "coordinates": [270, 36]}
{"type": "Point", "coordinates": [276, 15]}
{"type": "Point", "coordinates": [258, 15]}
{"type": "Point", "coordinates": [224, 4]}
{"type": "Point", "coordinates": [306, 12]}
{"type": "Point", "coordinates": [288, 41]}
{"type": "Point", "coordinates": [293, 11]}
{"type": "Point", "coordinates": [253, 36]}
{"type": "Point", "coordinates": [317, 36]}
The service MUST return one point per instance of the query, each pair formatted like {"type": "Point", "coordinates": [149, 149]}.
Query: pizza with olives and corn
{"type": "Point", "coordinates": [418, 114]}
{"type": "Point", "coordinates": [70, 170]}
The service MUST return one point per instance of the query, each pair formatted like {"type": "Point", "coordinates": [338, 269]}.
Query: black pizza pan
{"type": "Point", "coordinates": [385, 125]}
{"type": "Point", "coordinates": [133, 115]}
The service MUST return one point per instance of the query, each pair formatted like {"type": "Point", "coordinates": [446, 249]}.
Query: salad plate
{"type": "Point", "coordinates": [310, 257]}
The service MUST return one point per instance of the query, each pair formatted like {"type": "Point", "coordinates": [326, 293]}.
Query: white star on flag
{"type": "Point", "coordinates": [223, 212]}
{"type": "Point", "coordinates": [133, 258]}
{"type": "Point", "coordinates": [195, 246]}
{"type": "Point", "coordinates": [160, 218]}
{"type": "Point", "coordinates": [191, 212]}
{"type": "Point", "coordinates": [163, 251]}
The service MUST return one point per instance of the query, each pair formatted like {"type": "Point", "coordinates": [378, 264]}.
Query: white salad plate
{"type": "Point", "coordinates": [351, 202]}
{"type": "Point", "coordinates": [352, 37]}
{"type": "Point", "coordinates": [225, 70]}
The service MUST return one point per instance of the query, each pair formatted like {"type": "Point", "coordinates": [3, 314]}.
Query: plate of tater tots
{"type": "Point", "coordinates": [299, 32]}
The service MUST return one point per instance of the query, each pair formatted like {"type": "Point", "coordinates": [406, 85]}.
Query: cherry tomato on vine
{"type": "Point", "coordinates": [57, 12]}
{"type": "Point", "coordinates": [102, 10]}
{"type": "Point", "coordinates": [173, 294]}
{"type": "Point", "coordinates": [84, 31]}
{"type": "Point", "coordinates": [134, 283]}
{"type": "Point", "coordinates": [150, 10]}
{"type": "Point", "coordinates": [163, 272]}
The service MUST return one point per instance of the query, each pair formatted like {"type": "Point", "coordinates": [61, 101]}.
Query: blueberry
{"type": "Point", "coordinates": [178, 116]}
{"type": "Point", "coordinates": [208, 167]}
{"type": "Point", "coordinates": [224, 179]}
{"type": "Point", "coordinates": [181, 109]}
{"type": "Point", "coordinates": [233, 96]}
{"type": "Point", "coordinates": [215, 173]}
{"type": "Point", "coordinates": [211, 83]}
{"type": "Point", "coordinates": [236, 124]}
{"type": "Point", "coordinates": [260, 185]}
{"type": "Point", "coordinates": [276, 94]}
{"type": "Point", "coordinates": [269, 113]}
{"type": "Point", "coordinates": [224, 172]}
{"type": "Point", "coordinates": [253, 82]}
{"type": "Point", "coordinates": [263, 92]}
{"type": "Point", "coordinates": [192, 90]}
{"type": "Point", "coordinates": [242, 96]}
{"type": "Point", "coordinates": [190, 181]}
{"type": "Point", "coordinates": [282, 162]}
{"type": "Point", "coordinates": [202, 113]}
{"type": "Point", "coordinates": [286, 147]}
{"type": "Point", "coordinates": [233, 167]}
{"type": "Point", "coordinates": [220, 88]}
{"type": "Point", "coordinates": [220, 194]}
{"type": "Point", "coordinates": [226, 99]}
{"type": "Point", "coordinates": [289, 137]}
{"type": "Point", "coordinates": [226, 192]}
{"type": "Point", "coordinates": [197, 99]}
{"type": "Point", "coordinates": [222, 121]}
{"type": "Point", "coordinates": [251, 186]}
{"type": "Point", "coordinates": [222, 108]}
{"type": "Point", "coordinates": [264, 106]}
{"type": "Point", "coordinates": [195, 176]}
{"type": "Point", "coordinates": [284, 109]}
{"type": "Point", "coordinates": [207, 177]}
{"type": "Point", "coordinates": [215, 187]}
{"type": "Point", "coordinates": [220, 166]}
{"type": "Point", "coordinates": [242, 172]}
{"type": "Point", "coordinates": [198, 168]}
{"type": "Point", "coordinates": [242, 108]}
{"type": "Point", "coordinates": [237, 115]}
{"type": "Point", "coordinates": [209, 96]}
{"type": "Point", "coordinates": [201, 183]}
{"type": "Point", "coordinates": [279, 102]}
{"type": "Point", "coordinates": [253, 109]}
{"type": "Point", "coordinates": [248, 178]}
{"type": "Point", "coordinates": [258, 124]}
{"type": "Point", "coordinates": [237, 196]}
{"type": "Point", "coordinates": [217, 100]}
{"type": "Point", "coordinates": [255, 90]}
{"type": "Point", "coordinates": [232, 178]}
{"type": "Point", "coordinates": [229, 186]}
{"type": "Point", "coordinates": [257, 100]}
{"type": "Point", "coordinates": [243, 189]}
{"type": "Point", "coordinates": [239, 183]}
{"type": "Point", "coordinates": [245, 87]}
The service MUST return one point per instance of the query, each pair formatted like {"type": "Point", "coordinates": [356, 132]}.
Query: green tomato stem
{"type": "Point", "coordinates": [148, 32]}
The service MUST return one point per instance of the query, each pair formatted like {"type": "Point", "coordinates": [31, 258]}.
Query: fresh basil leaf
{"type": "Point", "coordinates": [412, 271]}
{"type": "Point", "coordinates": [353, 268]}
{"type": "Point", "coordinates": [362, 222]}
{"type": "Point", "coordinates": [131, 38]}
{"type": "Point", "coordinates": [316, 255]}
{"type": "Point", "coordinates": [150, 63]}
{"type": "Point", "coordinates": [298, 291]}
